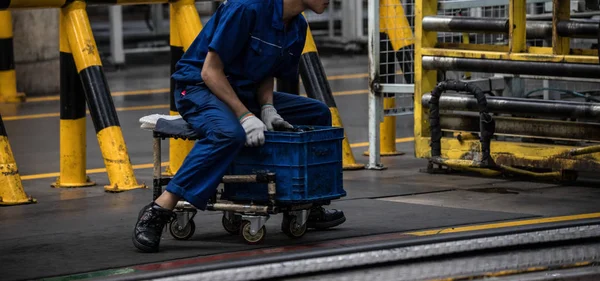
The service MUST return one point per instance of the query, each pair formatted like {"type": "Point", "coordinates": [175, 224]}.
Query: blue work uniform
{"type": "Point", "coordinates": [253, 43]}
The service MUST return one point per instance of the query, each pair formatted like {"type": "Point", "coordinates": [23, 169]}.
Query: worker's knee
{"type": "Point", "coordinates": [231, 136]}
{"type": "Point", "coordinates": [324, 114]}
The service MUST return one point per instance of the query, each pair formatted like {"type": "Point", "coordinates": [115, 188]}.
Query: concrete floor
{"type": "Point", "coordinates": [73, 231]}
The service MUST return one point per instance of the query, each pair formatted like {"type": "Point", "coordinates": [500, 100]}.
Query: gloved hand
{"type": "Point", "coordinates": [272, 120]}
{"type": "Point", "coordinates": [255, 130]}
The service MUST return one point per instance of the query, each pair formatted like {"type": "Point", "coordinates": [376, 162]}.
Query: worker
{"type": "Point", "coordinates": [224, 90]}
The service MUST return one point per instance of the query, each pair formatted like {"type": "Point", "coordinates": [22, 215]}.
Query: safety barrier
{"type": "Point", "coordinates": [8, 77]}
{"type": "Point", "coordinates": [11, 187]}
{"type": "Point", "coordinates": [72, 118]}
{"type": "Point", "coordinates": [317, 87]}
{"type": "Point", "coordinates": [532, 137]}
{"type": "Point", "coordinates": [391, 43]}
{"type": "Point", "coordinates": [185, 25]}
{"type": "Point", "coordinates": [83, 82]}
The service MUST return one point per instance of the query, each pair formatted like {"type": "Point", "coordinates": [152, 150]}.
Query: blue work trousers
{"type": "Point", "coordinates": [222, 135]}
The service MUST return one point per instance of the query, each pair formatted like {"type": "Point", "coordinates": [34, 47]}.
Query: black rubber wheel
{"type": "Point", "coordinates": [232, 226]}
{"type": "Point", "coordinates": [257, 238]}
{"type": "Point", "coordinates": [182, 233]}
{"type": "Point", "coordinates": [291, 228]}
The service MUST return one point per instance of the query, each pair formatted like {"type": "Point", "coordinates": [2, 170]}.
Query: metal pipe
{"type": "Point", "coordinates": [475, 166]}
{"type": "Point", "coordinates": [512, 67]}
{"type": "Point", "coordinates": [256, 178]}
{"type": "Point", "coordinates": [239, 179]}
{"type": "Point", "coordinates": [577, 29]}
{"type": "Point", "coordinates": [573, 15]}
{"type": "Point", "coordinates": [535, 29]}
{"type": "Point", "coordinates": [519, 106]}
{"type": "Point", "coordinates": [551, 175]}
{"type": "Point", "coordinates": [585, 150]}
{"type": "Point", "coordinates": [465, 24]}
{"type": "Point", "coordinates": [272, 190]}
{"type": "Point", "coordinates": [539, 29]}
{"type": "Point", "coordinates": [524, 127]}
{"type": "Point", "coordinates": [238, 208]}
{"type": "Point", "coordinates": [156, 171]}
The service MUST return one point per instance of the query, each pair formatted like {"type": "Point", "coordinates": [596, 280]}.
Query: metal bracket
{"type": "Point", "coordinates": [256, 222]}
{"type": "Point", "coordinates": [301, 216]}
{"type": "Point", "coordinates": [183, 217]}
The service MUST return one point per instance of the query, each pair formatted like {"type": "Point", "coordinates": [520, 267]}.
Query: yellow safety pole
{"type": "Point", "coordinates": [317, 87]}
{"type": "Point", "coordinates": [72, 119]}
{"type": "Point", "coordinates": [185, 25]}
{"type": "Point", "coordinates": [425, 80]}
{"type": "Point", "coordinates": [8, 76]}
{"type": "Point", "coordinates": [100, 103]}
{"type": "Point", "coordinates": [11, 188]}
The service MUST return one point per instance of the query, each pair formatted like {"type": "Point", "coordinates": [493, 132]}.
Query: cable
{"type": "Point", "coordinates": [578, 94]}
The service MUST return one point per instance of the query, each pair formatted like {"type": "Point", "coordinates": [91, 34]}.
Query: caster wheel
{"type": "Point", "coordinates": [232, 226]}
{"type": "Point", "coordinates": [180, 233]}
{"type": "Point", "coordinates": [291, 228]}
{"type": "Point", "coordinates": [248, 237]}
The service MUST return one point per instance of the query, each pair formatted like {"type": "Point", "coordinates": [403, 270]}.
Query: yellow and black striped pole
{"type": "Point", "coordinates": [8, 76]}
{"type": "Point", "coordinates": [72, 119]}
{"type": "Point", "coordinates": [99, 101]}
{"type": "Point", "coordinates": [185, 25]}
{"type": "Point", "coordinates": [317, 87]}
{"type": "Point", "coordinates": [11, 188]}
{"type": "Point", "coordinates": [396, 43]}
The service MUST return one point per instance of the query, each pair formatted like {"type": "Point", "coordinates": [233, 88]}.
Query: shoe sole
{"type": "Point", "coordinates": [325, 225]}
{"type": "Point", "coordinates": [143, 247]}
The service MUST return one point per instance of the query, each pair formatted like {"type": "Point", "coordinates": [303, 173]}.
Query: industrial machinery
{"type": "Point", "coordinates": [476, 124]}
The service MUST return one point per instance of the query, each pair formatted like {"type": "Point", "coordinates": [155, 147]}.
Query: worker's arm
{"type": "Point", "coordinates": [265, 91]}
{"type": "Point", "coordinates": [214, 77]}
{"type": "Point", "coordinates": [268, 113]}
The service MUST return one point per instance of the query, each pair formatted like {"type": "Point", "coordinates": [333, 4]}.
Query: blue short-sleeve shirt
{"type": "Point", "coordinates": [251, 40]}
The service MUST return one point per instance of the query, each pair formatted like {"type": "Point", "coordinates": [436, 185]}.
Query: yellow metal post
{"type": "Point", "coordinates": [425, 80]}
{"type": "Point", "coordinates": [517, 26]}
{"type": "Point", "coordinates": [100, 103]}
{"type": "Point", "coordinates": [185, 25]}
{"type": "Point", "coordinates": [72, 119]}
{"type": "Point", "coordinates": [560, 12]}
{"type": "Point", "coordinates": [8, 76]}
{"type": "Point", "coordinates": [11, 188]}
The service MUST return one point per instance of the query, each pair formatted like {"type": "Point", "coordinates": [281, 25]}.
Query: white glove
{"type": "Point", "coordinates": [272, 119]}
{"type": "Point", "coordinates": [255, 130]}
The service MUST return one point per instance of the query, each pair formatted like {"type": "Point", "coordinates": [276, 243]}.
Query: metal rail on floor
{"type": "Point", "coordinates": [404, 250]}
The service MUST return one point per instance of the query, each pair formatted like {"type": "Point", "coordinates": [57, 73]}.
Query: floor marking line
{"type": "Point", "coordinates": [504, 224]}
{"type": "Point", "coordinates": [166, 90]}
{"type": "Point", "coordinates": [150, 165]}
{"type": "Point", "coordinates": [145, 107]}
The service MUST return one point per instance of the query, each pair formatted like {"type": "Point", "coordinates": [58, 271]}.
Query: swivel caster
{"type": "Point", "coordinates": [231, 222]}
{"type": "Point", "coordinates": [182, 233]}
{"type": "Point", "coordinates": [294, 224]}
{"type": "Point", "coordinates": [253, 229]}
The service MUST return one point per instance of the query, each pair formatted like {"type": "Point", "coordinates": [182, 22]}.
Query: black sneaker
{"type": "Point", "coordinates": [321, 218]}
{"type": "Point", "coordinates": [148, 229]}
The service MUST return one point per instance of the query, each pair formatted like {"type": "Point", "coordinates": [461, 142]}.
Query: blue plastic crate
{"type": "Point", "coordinates": [308, 167]}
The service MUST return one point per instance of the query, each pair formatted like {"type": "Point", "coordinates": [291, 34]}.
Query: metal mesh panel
{"type": "Point", "coordinates": [397, 51]}
{"type": "Point", "coordinates": [396, 23]}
